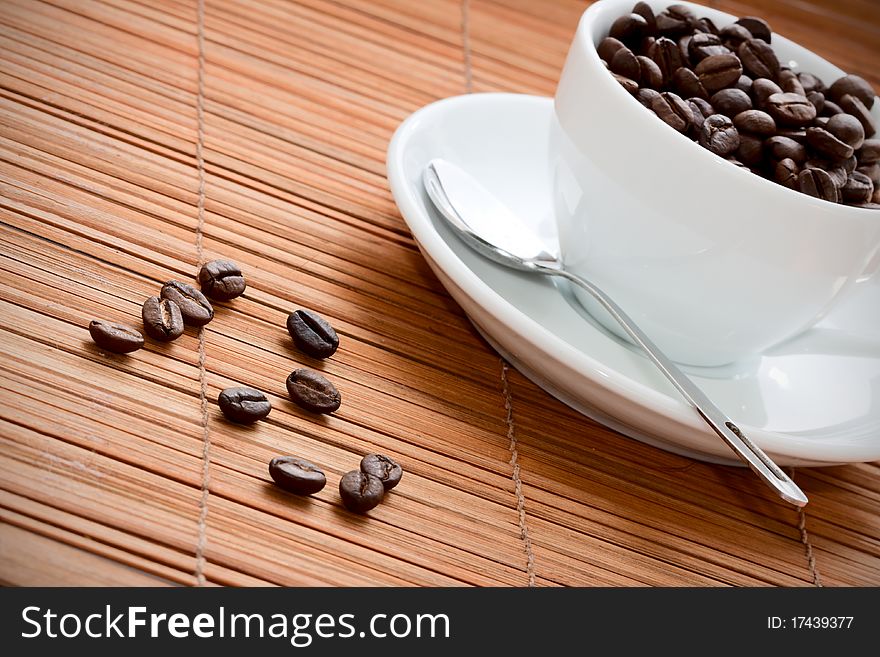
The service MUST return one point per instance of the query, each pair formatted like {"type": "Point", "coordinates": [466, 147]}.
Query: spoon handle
{"type": "Point", "coordinates": [731, 434]}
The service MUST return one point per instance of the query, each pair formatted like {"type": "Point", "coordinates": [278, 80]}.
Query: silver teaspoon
{"type": "Point", "coordinates": [488, 227]}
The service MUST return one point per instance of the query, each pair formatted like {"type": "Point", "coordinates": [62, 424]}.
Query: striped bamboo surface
{"type": "Point", "coordinates": [140, 137]}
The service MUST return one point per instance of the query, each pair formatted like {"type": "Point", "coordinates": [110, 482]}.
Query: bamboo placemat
{"type": "Point", "coordinates": [138, 138]}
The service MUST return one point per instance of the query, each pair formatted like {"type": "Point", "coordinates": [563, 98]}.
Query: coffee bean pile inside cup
{"type": "Point", "coordinates": [727, 90]}
{"type": "Point", "coordinates": [179, 304]}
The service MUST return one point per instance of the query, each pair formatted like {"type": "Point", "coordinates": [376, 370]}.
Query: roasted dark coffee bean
{"type": "Point", "coordinates": [631, 86]}
{"type": "Point", "coordinates": [703, 45]}
{"type": "Point", "coordinates": [244, 405]}
{"type": "Point", "coordinates": [758, 59]}
{"type": "Point", "coordinates": [821, 121]}
{"type": "Point", "coordinates": [827, 145]}
{"type": "Point", "coordinates": [649, 73]}
{"type": "Point", "coordinates": [851, 85]}
{"type": "Point", "coordinates": [687, 84]}
{"type": "Point", "coordinates": [673, 110]}
{"type": "Point", "coordinates": [313, 391]}
{"type": "Point", "coordinates": [718, 71]}
{"type": "Point", "coordinates": [758, 27]}
{"type": "Point", "coordinates": [751, 149]}
{"type": "Point", "coordinates": [297, 475]}
{"type": "Point", "coordinates": [645, 44]}
{"type": "Point", "coordinates": [790, 83]}
{"type": "Point", "coordinates": [872, 171]}
{"type": "Point", "coordinates": [836, 172]}
{"type": "Point", "coordinates": [383, 468]}
{"type": "Point", "coordinates": [818, 100]}
{"type": "Point", "coordinates": [683, 13]}
{"type": "Point", "coordinates": [625, 63]}
{"type": "Point", "coordinates": [780, 148]}
{"type": "Point", "coordinates": [683, 43]}
{"type": "Point", "coordinates": [698, 118]}
{"type": "Point", "coordinates": [703, 105]}
{"type": "Point", "coordinates": [790, 109]}
{"type": "Point", "coordinates": [221, 280]}
{"type": "Point", "coordinates": [730, 102]}
{"type": "Point", "coordinates": [360, 491]}
{"type": "Point", "coordinates": [162, 319]}
{"type": "Point", "coordinates": [756, 122]}
{"type": "Point", "coordinates": [858, 188]}
{"type": "Point", "coordinates": [667, 56]}
{"type": "Point", "coordinates": [762, 89]}
{"type": "Point", "coordinates": [312, 334]}
{"type": "Point", "coordinates": [195, 308]}
{"type": "Point", "coordinates": [811, 83]}
{"type": "Point", "coordinates": [734, 35]}
{"type": "Point", "coordinates": [847, 129]}
{"type": "Point", "coordinates": [818, 183]}
{"type": "Point", "coordinates": [608, 46]}
{"type": "Point", "coordinates": [744, 84]}
{"type": "Point", "coordinates": [645, 96]}
{"type": "Point", "coordinates": [800, 136]}
{"type": "Point", "coordinates": [670, 26]}
{"type": "Point", "coordinates": [706, 25]}
{"type": "Point", "coordinates": [870, 151]}
{"type": "Point", "coordinates": [786, 173]}
{"type": "Point", "coordinates": [830, 108]}
{"type": "Point", "coordinates": [719, 135]}
{"type": "Point", "coordinates": [854, 105]}
{"type": "Point", "coordinates": [644, 10]}
{"type": "Point", "coordinates": [118, 338]}
{"type": "Point", "coordinates": [628, 27]}
{"type": "Point", "coordinates": [849, 164]}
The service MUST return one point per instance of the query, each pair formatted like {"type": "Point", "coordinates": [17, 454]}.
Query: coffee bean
{"type": "Point", "coordinates": [698, 117]}
{"type": "Point", "coordinates": [755, 122]}
{"type": "Point", "coordinates": [703, 45]}
{"type": "Point", "coordinates": [870, 151]}
{"type": "Point", "coordinates": [854, 105]}
{"type": "Point", "coordinates": [872, 171]}
{"type": "Point", "coordinates": [719, 135]}
{"type": "Point", "coordinates": [790, 83]}
{"type": "Point", "coordinates": [800, 136]}
{"type": "Point", "coordinates": [313, 391]}
{"type": "Point", "coordinates": [849, 164]}
{"type": "Point", "coordinates": [687, 84]}
{"type": "Point", "coordinates": [751, 149]}
{"type": "Point", "coordinates": [811, 83]}
{"type": "Point", "coordinates": [718, 71]}
{"type": "Point", "coordinates": [818, 183]}
{"type": "Point", "coordinates": [624, 63]}
{"type": "Point", "coordinates": [360, 491]}
{"type": "Point", "coordinates": [818, 100]}
{"type": "Point", "coordinates": [847, 129]}
{"type": "Point", "coordinates": [734, 35]}
{"type": "Point", "coordinates": [645, 96]}
{"type": "Point", "coordinates": [758, 59]}
{"type": "Point", "coordinates": [243, 405]}
{"type": "Point", "coordinates": [673, 110]}
{"type": "Point", "coordinates": [758, 27]}
{"type": "Point", "coordinates": [821, 121]}
{"type": "Point", "coordinates": [649, 73]}
{"type": "Point", "coordinates": [827, 145]}
{"type": "Point", "coordinates": [683, 13]}
{"type": "Point", "coordinates": [683, 45]}
{"type": "Point", "coordinates": [628, 26]}
{"type": "Point", "coordinates": [644, 10]}
{"type": "Point", "coordinates": [730, 102]}
{"type": "Point", "coordinates": [631, 86]}
{"type": "Point", "coordinates": [195, 309]}
{"type": "Point", "coordinates": [703, 105]}
{"type": "Point", "coordinates": [221, 280]}
{"type": "Point", "coordinates": [297, 475]}
{"type": "Point", "coordinates": [706, 25]}
{"type": "Point", "coordinates": [312, 334]}
{"type": "Point", "coordinates": [858, 188]}
{"type": "Point", "coordinates": [383, 468]}
{"type": "Point", "coordinates": [762, 89]}
{"type": "Point", "coordinates": [118, 338]}
{"type": "Point", "coordinates": [162, 319]}
{"type": "Point", "coordinates": [607, 47]}
{"type": "Point", "coordinates": [744, 84]}
{"type": "Point", "coordinates": [852, 85]}
{"type": "Point", "coordinates": [836, 172]}
{"type": "Point", "coordinates": [790, 109]}
{"type": "Point", "coordinates": [830, 108]}
{"type": "Point", "coordinates": [667, 56]}
{"type": "Point", "coordinates": [670, 26]}
{"type": "Point", "coordinates": [780, 148]}
{"type": "Point", "coordinates": [786, 173]}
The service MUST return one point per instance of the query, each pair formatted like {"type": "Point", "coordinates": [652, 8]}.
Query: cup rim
{"type": "Point", "coordinates": [583, 37]}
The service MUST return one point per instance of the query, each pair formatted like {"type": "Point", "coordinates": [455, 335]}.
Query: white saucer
{"type": "Point", "coordinates": [812, 401]}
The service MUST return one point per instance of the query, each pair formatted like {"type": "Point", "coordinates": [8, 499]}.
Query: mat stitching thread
{"type": "Point", "coordinates": [805, 539]}
{"type": "Point", "coordinates": [517, 482]}
{"type": "Point", "coordinates": [203, 385]}
{"type": "Point", "coordinates": [466, 46]}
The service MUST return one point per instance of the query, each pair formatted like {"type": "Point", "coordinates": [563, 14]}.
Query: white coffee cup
{"type": "Point", "coordinates": [714, 262]}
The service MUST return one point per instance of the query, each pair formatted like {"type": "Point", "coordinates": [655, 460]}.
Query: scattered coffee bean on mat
{"type": "Point", "coordinates": [313, 391]}
{"type": "Point", "coordinates": [162, 319]}
{"type": "Point", "coordinates": [297, 475]}
{"type": "Point", "coordinates": [383, 468]}
{"type": "Point", "coordinates": [360, 491]}
{"type": "Point", "coordinates": [244, 405]}
{"type": "Point", "coordinates": [312, 334]}
{"type": "Point", "coordinates": [221, 280]}
{"type": "Point", "coordinates": [118, 338]}
{"type": "Point", "coordinates": [194, 306]}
